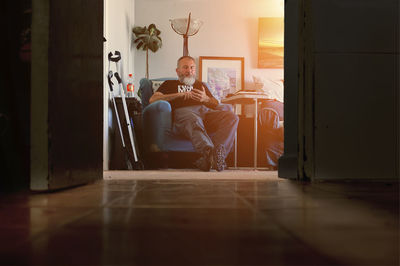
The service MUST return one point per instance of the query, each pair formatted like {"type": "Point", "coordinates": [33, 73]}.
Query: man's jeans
{"type": "Point", "coordinates": [206, 127]}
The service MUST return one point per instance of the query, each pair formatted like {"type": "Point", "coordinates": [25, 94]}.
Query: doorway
{"type": "Point", "coordinates": [243, 21]}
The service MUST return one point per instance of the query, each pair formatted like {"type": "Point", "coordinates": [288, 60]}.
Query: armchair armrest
{"type": "Point", "coordinates": [145, 90]}
{"type": "Point", "coordinates": [157, 124]}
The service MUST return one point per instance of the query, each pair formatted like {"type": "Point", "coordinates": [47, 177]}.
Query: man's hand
{"type": "Point", "coordinates": [199, 95]}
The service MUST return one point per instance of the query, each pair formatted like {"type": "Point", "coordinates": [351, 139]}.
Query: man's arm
{"type": "Point", "coordinates": [157, 96]}
{"type": "Point", "coordinates": [212, 102]}
{"type": "Point", "coordinates": [197, 95]}
{"type": "Point", "coordinates": [204, 98]}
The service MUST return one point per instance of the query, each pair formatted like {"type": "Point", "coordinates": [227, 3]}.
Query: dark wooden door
{"type": "Point", "coordinates": [67, 93]}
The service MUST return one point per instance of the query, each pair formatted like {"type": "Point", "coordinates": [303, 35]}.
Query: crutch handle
{"type": "Point", "coordinates": [118, 77]}
{"type": "Point", "coordinates": [114, 58]}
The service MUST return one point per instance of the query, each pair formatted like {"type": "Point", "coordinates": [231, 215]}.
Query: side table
{"type": "Point", "coordinates": [247, 98]}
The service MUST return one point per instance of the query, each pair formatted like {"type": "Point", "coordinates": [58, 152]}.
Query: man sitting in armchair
{"type": "Point", "coordinates": [196, 113]}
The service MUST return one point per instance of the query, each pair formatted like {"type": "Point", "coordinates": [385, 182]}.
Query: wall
{"type": "Point", "coordinates": [118, 22]}
{"type": "Point", "coordinates": [230, 29]}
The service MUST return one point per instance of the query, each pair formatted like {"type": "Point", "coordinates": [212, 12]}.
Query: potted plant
{"type": "Point", "coordinates": [147, 38]}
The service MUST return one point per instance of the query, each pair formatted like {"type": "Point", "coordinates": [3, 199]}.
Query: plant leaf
{"type": "Point", "coordinates": [139, 30]}
{"type": "Point", "coordinates": [147, 38]}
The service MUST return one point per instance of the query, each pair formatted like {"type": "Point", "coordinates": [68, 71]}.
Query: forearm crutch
{"type": "Point", "coordinates": [127, 119]}
{"type": "Point", "coordinates": [112, 99]}
{"type": "Point", "coordinates": [115, 58]}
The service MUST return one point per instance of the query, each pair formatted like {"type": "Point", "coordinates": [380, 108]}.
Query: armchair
{"type": "Point", "coordinates": [163, 147]}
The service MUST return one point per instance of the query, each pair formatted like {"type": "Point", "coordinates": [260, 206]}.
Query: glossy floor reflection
{"type": "Point", "coordinates": [203, 222]}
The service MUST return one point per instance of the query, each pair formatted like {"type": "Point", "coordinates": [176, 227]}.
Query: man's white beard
{"type": "Point", "coordinates": [188, 80]}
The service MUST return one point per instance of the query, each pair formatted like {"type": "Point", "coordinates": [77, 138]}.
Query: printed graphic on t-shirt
{"type": "Point", "coordinates": [185, 88]}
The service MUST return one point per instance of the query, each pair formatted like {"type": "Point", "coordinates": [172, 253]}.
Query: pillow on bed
{"type": "Point", "coordinates": [272, 88]}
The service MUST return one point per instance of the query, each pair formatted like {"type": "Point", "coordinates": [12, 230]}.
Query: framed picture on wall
{"type": "Point", "coordinates": [270, 42]}
{"type": "Point", "coordinates": [223, 75]}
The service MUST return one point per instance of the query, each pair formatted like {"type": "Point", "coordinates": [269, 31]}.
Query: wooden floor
{"type": "Point", "coordinates": [188, 217]}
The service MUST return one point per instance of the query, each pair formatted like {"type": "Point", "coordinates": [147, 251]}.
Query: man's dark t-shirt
{"type": "Point", "coordinates": [175, 86]}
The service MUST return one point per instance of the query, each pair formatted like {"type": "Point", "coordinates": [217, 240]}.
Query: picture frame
{"type": "Point", "coordinates": [270, 42]}
{"type": "Point", "coordinates": [224, 75]}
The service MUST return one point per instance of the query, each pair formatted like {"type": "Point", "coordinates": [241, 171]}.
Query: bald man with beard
{"type": "Point", "coordinates": [198, 116]}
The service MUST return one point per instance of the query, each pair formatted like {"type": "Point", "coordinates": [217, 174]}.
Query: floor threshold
{"type": "Point", "coordinates": [183, 174]}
